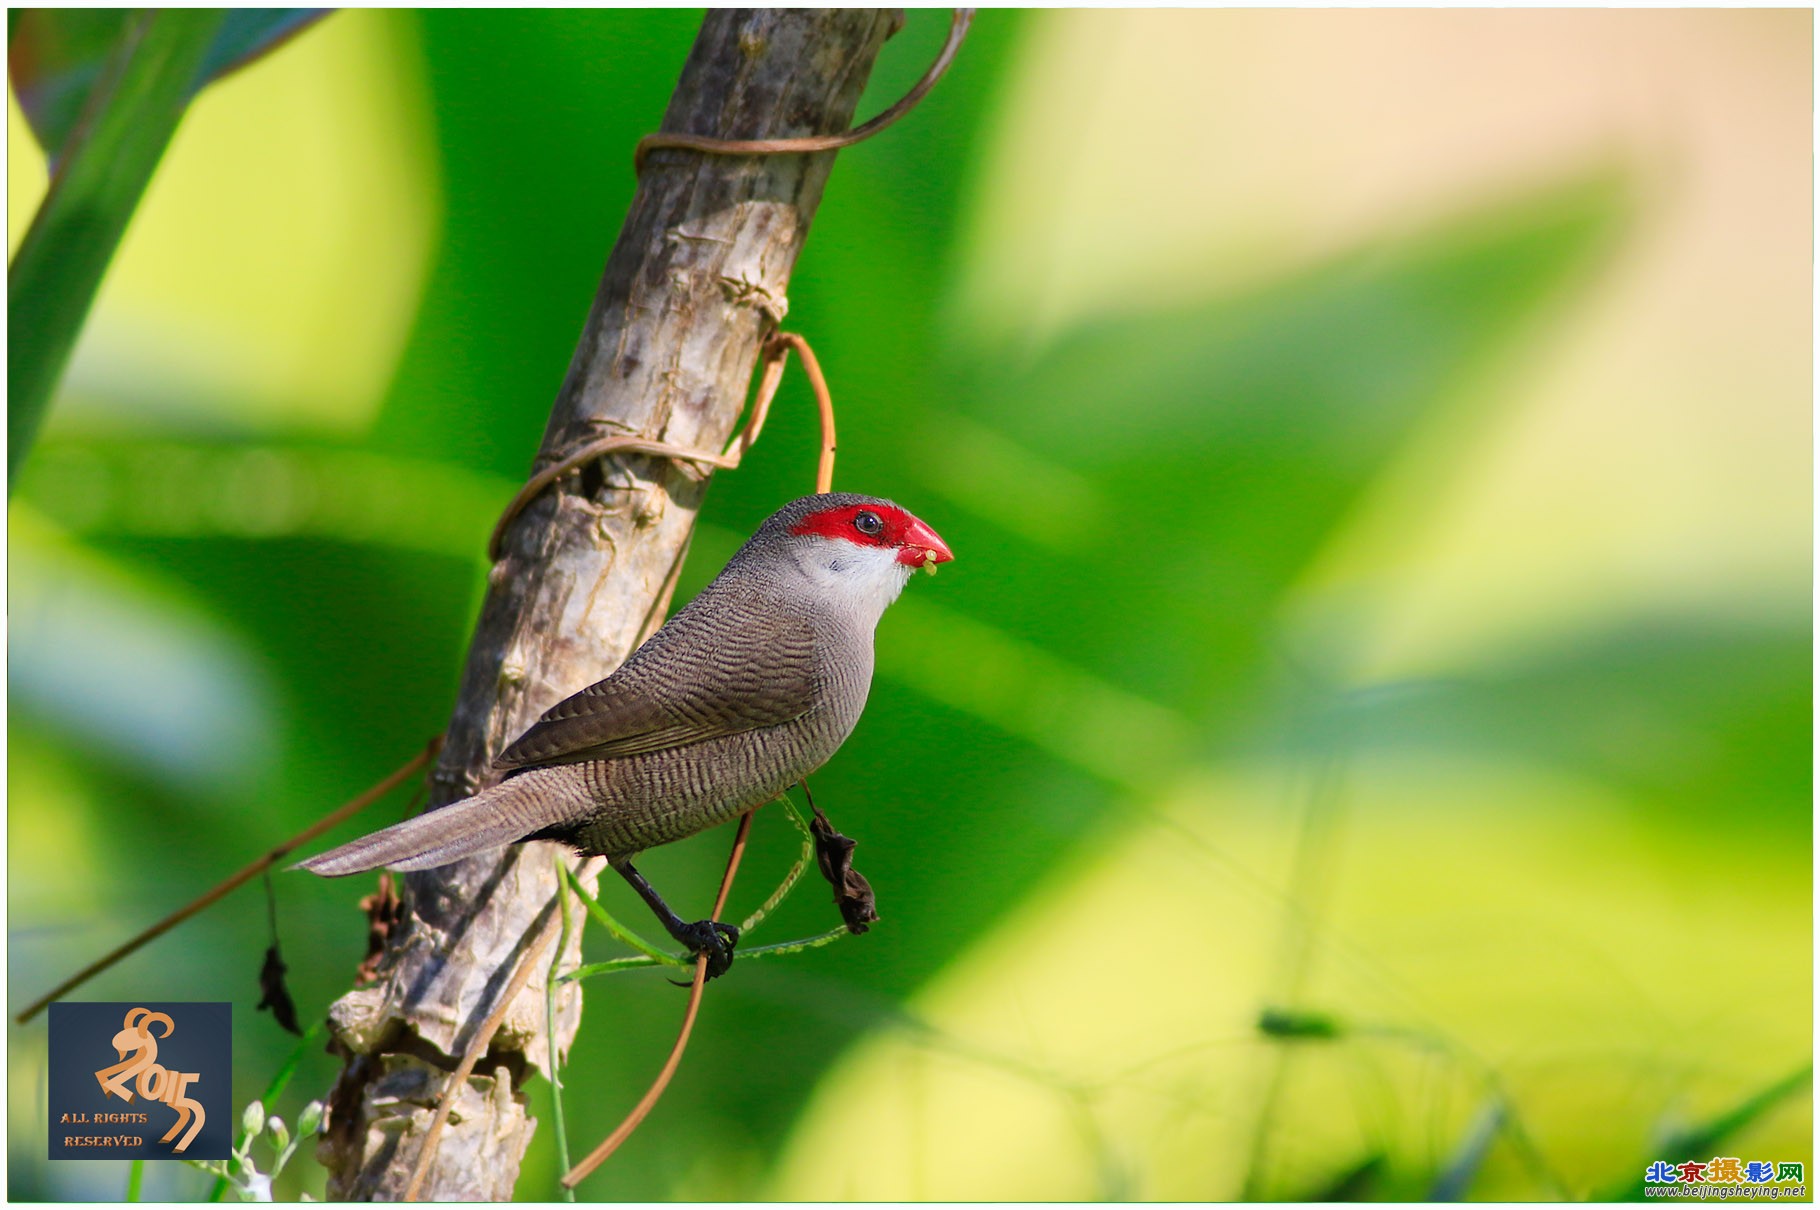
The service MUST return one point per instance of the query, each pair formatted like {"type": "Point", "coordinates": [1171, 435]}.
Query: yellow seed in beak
{"type": "Point", "coordinates": [929, 561]}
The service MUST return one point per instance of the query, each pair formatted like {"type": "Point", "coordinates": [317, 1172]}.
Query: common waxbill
{"type": "Point", "coordinates": [751, 687]}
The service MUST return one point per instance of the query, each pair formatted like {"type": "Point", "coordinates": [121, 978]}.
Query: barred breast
{"type": "Point", "coordinates": [639, 802]}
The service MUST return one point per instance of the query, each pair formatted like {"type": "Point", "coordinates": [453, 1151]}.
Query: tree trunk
{"type": "Point", "coordinates": [667, 353]}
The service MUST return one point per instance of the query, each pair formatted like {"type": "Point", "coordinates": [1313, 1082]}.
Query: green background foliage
{"type": "Point", "coordinates": [1139, 786]}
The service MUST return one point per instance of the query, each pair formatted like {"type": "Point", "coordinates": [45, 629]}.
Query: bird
{"type": "Point", "coordinates": [745, 691]}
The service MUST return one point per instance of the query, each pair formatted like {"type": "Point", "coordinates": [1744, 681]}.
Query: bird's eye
{"type": "Point", "coordinates": [868, 523]}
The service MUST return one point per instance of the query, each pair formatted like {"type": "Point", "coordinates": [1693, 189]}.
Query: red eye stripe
{"type": "Point", "coordinates": [838, 523]}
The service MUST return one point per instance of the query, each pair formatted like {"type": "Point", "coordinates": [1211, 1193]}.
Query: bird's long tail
{"type": "Point", "coordinates": [493, 818]}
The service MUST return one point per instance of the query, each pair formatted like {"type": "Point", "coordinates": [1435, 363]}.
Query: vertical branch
{"type": "Point", "coordinates": [667, 354]}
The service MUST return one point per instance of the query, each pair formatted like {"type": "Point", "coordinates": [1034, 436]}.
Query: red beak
{"type": "Point", "coordinates": [923, 547]}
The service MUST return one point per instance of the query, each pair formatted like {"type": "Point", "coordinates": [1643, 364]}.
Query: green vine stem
{"type": "Point", "coordinates": [619, 931]}
{"type": "Point", "coordinates": [615, 965]}
{"type": "Point", "coordinates": [549, 1017]}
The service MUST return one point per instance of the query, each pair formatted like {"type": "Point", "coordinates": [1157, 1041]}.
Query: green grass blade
{"type": "Point", "coordinates": [124, 129]}
{"type": "Point", "coordinates": [1457, 1176]}
{"type": "Point", "coordinates": [615, 965]}
{"type": "Point", "coordinates": [549, 1018]}
{"type": "Point", "coordinates": [618, 930]}
{"type": "Point", "coordinates": [1705, 1138]}
{"type": "Point", "coordinates": [790, 880]}
{"type": "Point", "coordinates": [610, 966]}
{"type": "Point", "coordinates": [794, 947]}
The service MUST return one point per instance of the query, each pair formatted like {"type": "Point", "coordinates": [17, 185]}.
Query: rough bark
{"type": "Point", "coordinates": [667, 353]}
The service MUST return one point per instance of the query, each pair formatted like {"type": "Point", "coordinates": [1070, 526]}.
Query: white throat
{"type": "Point", "coordinates": [864, 580]}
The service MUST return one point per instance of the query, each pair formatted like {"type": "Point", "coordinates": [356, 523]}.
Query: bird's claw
{"type": "Point", "coordinates": [713, 938]}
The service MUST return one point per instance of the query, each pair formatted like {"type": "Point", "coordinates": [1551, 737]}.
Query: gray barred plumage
{"type": "Point", "coordinates": [748, 689]}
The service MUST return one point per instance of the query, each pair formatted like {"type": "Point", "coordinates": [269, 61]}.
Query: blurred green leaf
{"type": "Point", "coordinates": [249, 33]}
{"type": "Point", "coordinates": [134, 105]}
{"type": "Point", "coordinates": [1235, 435]}
{"type": "Point", "coordinates": [1456, 1177]}
{"type": "Point", "coordinates": [134, 667]}
{"type": "Point", "coordinates": [55, 56]}
{"type": "Point", "coordinates": [1702, 1140]}
{"type": "Point", "coordinates": [220, 488]}
{"type": "Point", "coordinates": [1355, 1183]}
{"type": "Point", "coordinates": [1290, 1024]}
{"type": "Point", "coordinates": [1225, 444]}
{"type": "Point", "coordinates": [1679, 712]}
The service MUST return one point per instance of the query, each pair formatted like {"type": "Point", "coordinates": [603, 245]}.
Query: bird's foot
{"type": "Point", "coordinates": [713, 938]}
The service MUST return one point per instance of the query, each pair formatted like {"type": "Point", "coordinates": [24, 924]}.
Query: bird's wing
{"type": "Point", "coordinates": [710, 676]}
